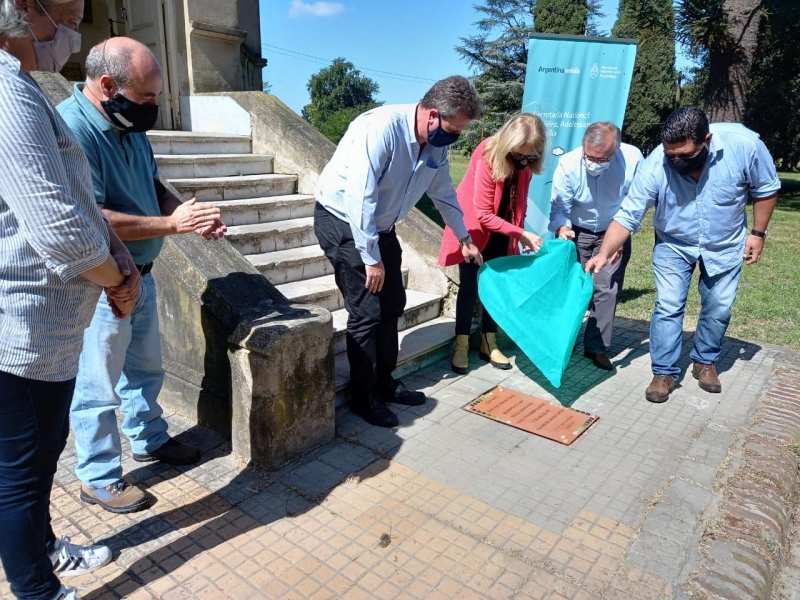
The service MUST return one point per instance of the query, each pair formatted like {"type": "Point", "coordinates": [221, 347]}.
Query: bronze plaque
{"type": "Point", "coordinates": [534, 415]}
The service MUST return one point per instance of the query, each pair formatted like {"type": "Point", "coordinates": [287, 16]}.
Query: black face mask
{"type": "Point", "coordinates": [686, 166]}
{"type": "Point", "coordinates": [439, 137]}
{"type": "Point", "coordinates": [129, 116]}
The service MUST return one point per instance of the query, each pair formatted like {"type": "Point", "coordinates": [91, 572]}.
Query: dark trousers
{"type": "Point", "coordinates": [496, 247]}
{"type": "Point", "coordinates": [372, 318]}
{"type": "Point", "coordinates": [34, 424]}
{"type": "Point", "coordinates": [607, 289]}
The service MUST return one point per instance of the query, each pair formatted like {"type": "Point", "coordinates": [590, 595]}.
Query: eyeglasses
{"type": "Point", "coordinates": [525, 157]}
{"type": "Point", "coordinates": [599, 161]}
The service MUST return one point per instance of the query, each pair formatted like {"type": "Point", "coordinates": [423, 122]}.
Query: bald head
{"type": "Point", "coordinates": [123, 65]}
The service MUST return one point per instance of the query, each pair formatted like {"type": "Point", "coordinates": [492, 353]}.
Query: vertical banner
{"type": "Point", "coordinates": [572, 82]}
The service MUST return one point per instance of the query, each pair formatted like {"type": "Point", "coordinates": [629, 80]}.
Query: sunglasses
{"type": "Point", "coordinates": [525, 157]}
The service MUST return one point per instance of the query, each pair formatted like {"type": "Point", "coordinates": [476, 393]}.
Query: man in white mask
{"type": "Point", "coordinates": [588, 187]}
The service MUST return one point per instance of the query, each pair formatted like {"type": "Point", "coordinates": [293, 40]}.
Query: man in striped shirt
{"type": "Point", "coordinates": [120, 366]}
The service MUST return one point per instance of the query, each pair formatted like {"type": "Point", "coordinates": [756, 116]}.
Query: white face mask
{"type": "Point", "coordinates": [53, 55]}
{"type": "Point", "coordinates": [594, 169]}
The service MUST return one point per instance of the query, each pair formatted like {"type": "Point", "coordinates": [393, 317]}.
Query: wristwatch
{"type": "Point", "coordinates": [466, 240]}
{"type": "Point", "coordinates": [761, 234]}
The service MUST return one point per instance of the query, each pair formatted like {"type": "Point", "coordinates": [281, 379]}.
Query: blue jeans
{"type": "Point", "coordinates": [34, 426]}
{"type": "Point", "coordinates": [673, 275]}
{"type": "Point", "coordinates": [120, 367]}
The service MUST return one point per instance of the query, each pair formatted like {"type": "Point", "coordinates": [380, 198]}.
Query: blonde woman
{"type": "Point", "coordinates": [493, 196]}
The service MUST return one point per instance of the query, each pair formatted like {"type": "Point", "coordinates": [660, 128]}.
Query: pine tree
{"type": "Point", "coordinates": [568, 17]}
{"type": "Point", "coordinates": [654, 82]}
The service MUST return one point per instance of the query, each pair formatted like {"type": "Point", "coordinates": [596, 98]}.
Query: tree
{"type": "Point", "coordinates": [724, 35]}
{"type": "Point", "coordinates": [498, 53]}
{"type": "Point", "coordinates": [654, 85]}
{"type": "Point", "coordinates": [267, 87]}
{"type": "Point", "coordinates": [568, 17]}
{"type": "Point", "coordinates": [773, 105]}
{"type": "Point", "coordinates": [338, 93]}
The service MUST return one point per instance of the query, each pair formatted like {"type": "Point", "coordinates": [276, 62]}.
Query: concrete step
{"type": "Point", "coordinates": [267, 210]}
{"type": "Point", "coordinates": [420, 347]}
{"type": "Point", "coordinates": [321, 291]}
{"type": "Point", "coordinates": [219, 189]}
{"type": "Point", "coordinates": [286, 266]}
{"type": "Point", "coordinates": [261, 238]}
{"type": "Point", "coordinates": [420, 307]}
{"type": "Point", "coordinates": [187, 166]}
{"type": "Point", "coordinates": [191, 142]}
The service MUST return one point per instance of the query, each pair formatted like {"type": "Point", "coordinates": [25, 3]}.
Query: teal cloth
{"type": "Point", "coordinates": [539, 300]}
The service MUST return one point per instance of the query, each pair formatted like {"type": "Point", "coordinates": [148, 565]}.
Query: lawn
{"type": "Point", "coordinates": [767, 308]}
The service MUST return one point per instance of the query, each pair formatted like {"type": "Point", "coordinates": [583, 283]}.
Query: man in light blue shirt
{"type": "Point", "coordinates": [589, 184]}
{"type": "Point", "coordinates": [389, 157]}
{"type": "Point", "coordinates": [698, 181]}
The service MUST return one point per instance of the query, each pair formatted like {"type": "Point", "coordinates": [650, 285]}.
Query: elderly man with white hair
{"type": "Point", "coordinates": [588, 187]}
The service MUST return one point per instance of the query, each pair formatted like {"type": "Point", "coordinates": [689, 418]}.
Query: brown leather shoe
{"type": "Point", "coordinates": [659, 389]}
{"type": "Point", "coordinates": [171, 452]}
{"type": "Point", "coordinates": [119, 497]}
{"type": "Point", "coordinates": [600, 360]}
{"type": "Point", "coordinates": [707, 376]}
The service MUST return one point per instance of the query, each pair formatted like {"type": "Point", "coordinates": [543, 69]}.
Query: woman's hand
{"type": "Point", "coordinates": [530, 241]}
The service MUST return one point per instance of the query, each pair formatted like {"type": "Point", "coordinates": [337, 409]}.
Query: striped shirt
{"type": "Point", "coordinates": [51, 231]}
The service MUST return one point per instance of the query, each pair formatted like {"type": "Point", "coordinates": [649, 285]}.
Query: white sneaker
{"type": "Point", "coordinates": [66, 593]}
{"type": "Point", "coordinates": [70, 560]}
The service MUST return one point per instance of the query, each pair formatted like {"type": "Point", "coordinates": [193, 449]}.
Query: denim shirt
{"type": "Point", "coordinates": [378, 174]}
{"type": "Point", "coordinates": [705, 218]}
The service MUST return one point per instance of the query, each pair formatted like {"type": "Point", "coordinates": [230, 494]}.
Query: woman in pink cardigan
{"type": "Point", "coordinates": [493, 196]}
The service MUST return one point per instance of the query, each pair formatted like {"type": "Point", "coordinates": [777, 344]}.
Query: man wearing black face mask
{"type": "Point", "coordinates": [698, 181]}
{"type": "Point", "coordinates": [389, 157]}
{"type": "Point", "coordinates": [120, 366]}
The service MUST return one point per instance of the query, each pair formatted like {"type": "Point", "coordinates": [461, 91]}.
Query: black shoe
{"type": "Point", "coordinates": [171, 452]}
{"type": "Point", "coordinates": [398, 393]}
{"type": "Point", "coordinates": [600, 360]}
{"type": "Point", "coordinates": [375, 412]}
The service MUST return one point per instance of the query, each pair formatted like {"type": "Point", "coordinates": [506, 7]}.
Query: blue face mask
{"type": "Point", "coordinates": [439, 137]}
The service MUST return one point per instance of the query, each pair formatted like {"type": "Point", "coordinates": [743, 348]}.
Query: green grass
{"type": "Point", "coordinates": [458, 166]}
{"type": "Point", "coordinates": [767, 307]}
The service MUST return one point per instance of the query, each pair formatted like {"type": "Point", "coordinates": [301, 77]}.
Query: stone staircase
{"type": "Point", "coordinates": [273, 226]}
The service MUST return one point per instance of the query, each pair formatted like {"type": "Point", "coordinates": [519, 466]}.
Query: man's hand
{"type": "Point", "coordinates": [565, 233]}
{"type": "Point", "coordinates": [121, 309]}
{"type": "Point", "coordinates": [216, 231]}
{"type": "Point", "coordinates": [530, 241]}
{"type": "Point", "coordinates": [376, 275]}
{"type": "Point", "coordinates": [470, 252]}
{"type": "Point", "coordinates": [752, 249]}
{"type": "Point", "coordinates": [598, 261]}
{"type": "Point", "coordinates": [194, 216]}
{"type": "Point", "coordinates": [128, 290]}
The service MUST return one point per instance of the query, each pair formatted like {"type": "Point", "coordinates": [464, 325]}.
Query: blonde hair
{"type": "Point", "coordinates": [523, 131]}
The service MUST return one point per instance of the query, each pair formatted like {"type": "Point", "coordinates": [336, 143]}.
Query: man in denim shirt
{"type": "Point", "coordinates": [698, 181]}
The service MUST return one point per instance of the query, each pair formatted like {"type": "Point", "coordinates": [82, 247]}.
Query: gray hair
{"type": "Point", "coordinates": [116, 63]}
{"type": "Point", "coordinates": [12, 21]}
{"type": "Point", "coordinates": [453, 97]}
{"type": "Point", "coordinates": [597, 133]}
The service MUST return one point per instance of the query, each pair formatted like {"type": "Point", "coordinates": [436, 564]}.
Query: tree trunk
{"type": "Point", "coordinates": [729, 63]}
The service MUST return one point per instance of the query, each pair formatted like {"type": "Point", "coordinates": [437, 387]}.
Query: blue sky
{"type": "Point", "coordinates": [411, 41]}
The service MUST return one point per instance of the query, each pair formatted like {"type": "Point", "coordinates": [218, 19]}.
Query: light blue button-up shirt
{"type": "Point", "coordinates": [587, 201]}
{"type": "Point", "coordinates": [706, 218]}
{"type": "Point", "coordinates": [378, 174]}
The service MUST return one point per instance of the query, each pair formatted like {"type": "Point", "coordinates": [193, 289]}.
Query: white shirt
{"type": "Point", "coordinates": [378, 174]}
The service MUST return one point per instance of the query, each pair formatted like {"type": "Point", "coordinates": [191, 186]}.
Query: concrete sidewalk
{"type": "Point", "coordinates": [453, 505]}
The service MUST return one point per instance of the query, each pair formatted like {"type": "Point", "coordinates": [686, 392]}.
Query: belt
{"type": "Point", "coordinates": [583, 229]}
{"type": "Point", "coordinates": [144, 269]}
